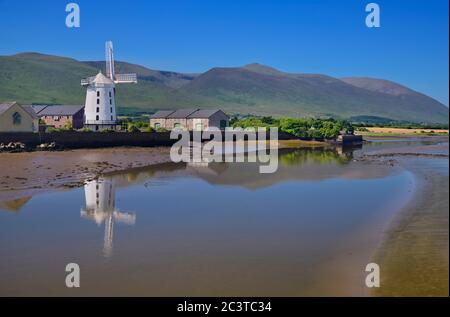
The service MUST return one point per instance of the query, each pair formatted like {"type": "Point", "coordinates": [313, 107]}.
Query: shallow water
{"type": "Point", "coordinates": [222, 229]}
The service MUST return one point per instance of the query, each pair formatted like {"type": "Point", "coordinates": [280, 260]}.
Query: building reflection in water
{"type": "Point", "coordinates": [101, 207]}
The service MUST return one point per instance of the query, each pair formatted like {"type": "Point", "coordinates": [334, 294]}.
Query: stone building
{"type": "Point", "coordinates": [189, 119]}
{"type": "Point", "coordinates": [204, 119]}
{"type": "Point", "coordinates": [61, 116]}
{"type": "Point", "coordinates": [17, 118]}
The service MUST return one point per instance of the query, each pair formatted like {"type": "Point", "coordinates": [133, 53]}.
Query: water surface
{"type": "Point", "coordinates": [206, 230]}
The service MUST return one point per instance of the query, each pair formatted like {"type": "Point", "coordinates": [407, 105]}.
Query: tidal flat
{"type": "Point", "coordinates": [138, 224]}
{"type": "Point", "coordinates": [414, 252]}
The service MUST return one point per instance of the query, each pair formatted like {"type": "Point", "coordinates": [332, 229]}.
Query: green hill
{"type": "Point", "coordinates": [255, 89]}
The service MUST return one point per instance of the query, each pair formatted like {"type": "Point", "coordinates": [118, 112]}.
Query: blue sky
{"type": "Point", "coordinates": [305, 36]}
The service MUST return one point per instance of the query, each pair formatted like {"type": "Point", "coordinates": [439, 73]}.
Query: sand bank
{"type": "Point", "coordinates": [27, 173]}
{"type": "Point", "coordinates": [414, 252]}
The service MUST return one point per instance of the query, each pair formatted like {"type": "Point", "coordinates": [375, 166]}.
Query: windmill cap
{"type": "Point", "coordinates": [102, 79]}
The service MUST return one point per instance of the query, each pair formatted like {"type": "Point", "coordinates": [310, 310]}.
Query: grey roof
{"type": "Point", "coordinates": [30, 111]}
{"type": "Point", "coordinates": [38, 108]}
{"type": "Point", "coordinates": [60, 110]}
{"type": "Point", "coordinates": [205, 113]}
{"type": "Point", "coordinates": [5, 106]}
{"type": "Point", "coordinates": [162, 114]}
{"type": "Point", "coordinates": [181, 114]}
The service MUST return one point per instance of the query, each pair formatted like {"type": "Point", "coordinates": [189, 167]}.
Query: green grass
{"type": "Point", "coordinates": [36, 78]}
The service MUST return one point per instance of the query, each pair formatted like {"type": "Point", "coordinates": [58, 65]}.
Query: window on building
{"type": "Point", "coordinates": [98, 109]}
{"type": "Point", "coordinates": [110, 95]}
{"type": "Point", "coordinates": [17, 118]}
{"type": "Point", "coordinates": [112, 118]}
{"type": "Point", "coordinates": [97, 117]}
{"type": "Point", "coordinates": [56, 118]}
{"type": "Point", "coordinates": [177, 126]}
{"type": "Point", "coordinates": [98, 93]}
{"type": "Point", "coordinates": [157, 125]}
{"type": "Point", "coordinates": [98, 101]}
{"type": "Point", "coordinates": [110, 101]}
{"type": "Point", "coordinates": [110, 109]}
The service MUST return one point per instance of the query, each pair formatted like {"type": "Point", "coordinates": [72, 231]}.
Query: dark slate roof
{"type": "Point", "coordinates": [162, 114]}
{"type": "Point", "coordinates": [181, 113]}
{"type": "Point", "coordinates": [38, 108]}
{"type": "Point", "coordinates": [202, 114]}
{"type": "Point", "coordinates": [60, 110]}
{"type": "Point", "coordinates": [30, 111]}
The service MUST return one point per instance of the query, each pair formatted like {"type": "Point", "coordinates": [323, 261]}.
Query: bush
{"type": "Point", "coordinates": [69, 126]}
{"type": "Point", "coordinates": [162, 130]}
{"type": "Point", "coordinates": [132, 128]}
{"type": "Point", "coordinates": [84, 130]}
{"type": "Point", "coordinates": [300, 127]}
{"type": "Point", "coordinates": [148, 129]}
{"type": "Point", "coordinates": [51, 130]}
{"type": "Point", "coordinates": [108, 131]}
{"type": "Point", "coordinates": [141, 124]}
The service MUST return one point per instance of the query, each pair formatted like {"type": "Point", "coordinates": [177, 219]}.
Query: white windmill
{"type": "Point", "coordinates": [100, 106]}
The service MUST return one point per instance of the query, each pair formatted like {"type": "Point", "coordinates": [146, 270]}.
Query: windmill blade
{"type": "Point", "coordinates": [128, 218]}
{"type": "Point", "coordinates": [87, 81]}
{"type": "Point", "coordinates": [125, 78]}
{"type": "Point", "coordinates": [109, 56]}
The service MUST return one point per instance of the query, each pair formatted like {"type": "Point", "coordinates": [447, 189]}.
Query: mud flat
{"type": "Point", "coordinates": [414, 253]}
{"type": "Point", "coordinates": [25, 174]}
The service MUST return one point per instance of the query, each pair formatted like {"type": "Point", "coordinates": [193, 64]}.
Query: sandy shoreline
{"type": "Point", "coordinates": [414, 252]}
{"type": "Point", "coordinates": [29, 173]}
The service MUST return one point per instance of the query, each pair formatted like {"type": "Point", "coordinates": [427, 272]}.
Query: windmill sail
{"type": "Point", "coordinates": [87, 81]}
{"type": "Point", "coordinates": [110, 71]}
{"type": "Point", "coordinates": [125, 78]}
{"type": "Point", "coordinates": [109, 57]}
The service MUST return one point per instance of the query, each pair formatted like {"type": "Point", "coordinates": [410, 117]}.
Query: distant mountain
{"type": "Point", "coordinates": [254, 89]}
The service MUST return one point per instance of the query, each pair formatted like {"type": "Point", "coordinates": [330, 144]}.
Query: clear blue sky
{"type": "Point", "coordinates": [312, 36]}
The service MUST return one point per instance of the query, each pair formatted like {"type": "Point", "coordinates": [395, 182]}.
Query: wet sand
{"type": "Point", "coordinates": [28, 173]}
{"type": "Point", "coordinates": [414, 252]}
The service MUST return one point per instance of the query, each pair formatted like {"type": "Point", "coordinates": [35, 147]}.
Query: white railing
{"type": "Point", "coordinates": [87, 81]}
{"type": "Point", "coordinates": [100, 122]}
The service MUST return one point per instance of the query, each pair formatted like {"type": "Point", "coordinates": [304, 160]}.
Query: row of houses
{"type": "Point", "coordinates": [61, 116]}
{"type": "Point", "coordinates": [189, 119]}
{"type": "Point", "coordinates": [25, 118]}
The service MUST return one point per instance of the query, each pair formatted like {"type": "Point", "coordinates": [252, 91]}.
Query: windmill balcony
{"type": "Point", "coordinates": [99, 122]}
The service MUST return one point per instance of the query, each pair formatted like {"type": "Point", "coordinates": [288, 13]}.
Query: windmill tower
{"type": "Point", "coordinates": [100, 106]}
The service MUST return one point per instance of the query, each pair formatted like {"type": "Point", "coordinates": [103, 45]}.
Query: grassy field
{"type": "Point", "coordinates": [375, 131]}
{"type": "Point", "coordinates": [252, 89]}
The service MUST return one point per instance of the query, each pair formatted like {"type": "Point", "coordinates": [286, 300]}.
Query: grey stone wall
{"type": "Point", "coordinates": [75, 140]}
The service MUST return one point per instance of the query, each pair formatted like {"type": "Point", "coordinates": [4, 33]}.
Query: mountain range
{"type": "Point", "coordinates": [251, 89]}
